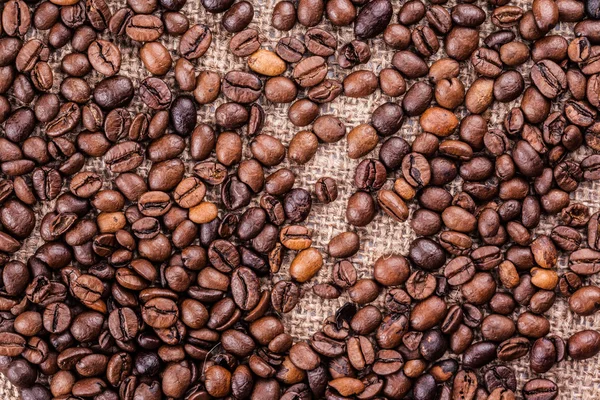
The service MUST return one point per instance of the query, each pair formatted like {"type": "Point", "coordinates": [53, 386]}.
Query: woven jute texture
{"type": "Point", "coordinates": [577, 380]}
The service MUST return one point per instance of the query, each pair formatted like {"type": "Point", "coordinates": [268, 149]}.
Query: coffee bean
{"type": "Point", "coordinates": [183, 115]}
{"type": "Point", "coordinates": [416, 170]}
{"type": "Point", "coordinates": [354, 53]}
{"type": "Point", "coordinates": [280, 182]}
{"type": "Point", "coordinates": [344, 274]}
{"type": "Point", "coordinates": [244, 43]}
{"type": "Point", "coordinates": [427, 254]}
{"type": "Point", "coordinates": [195, 42]}
{"type": "Point", "coordinates": [266, 62]}
{"type": "Point", "coordinates": [387, 119]}
{"type": "Point", "coordinates": [392, 205]}
{"type": "Point", "coordinates": [459, 270]}
{"type": "Point", "coordinates": [583, 261]}
{"type": "Point", "coordinates": [310, 12]}
{"type": "Point", "coordinates": [370, 175]}
{"type": "Point", "coordinates": [584, 344]}
{"type": "Point", "coordinates": [320, 42]}
{"type": "Point", "coordinates": [241, 86]}
{"type": "Point", "coordinates": [326, 190]}
{"type": "Point", "coordinates": [156, 58]}
{"type": "Point", "coordinates": [411, 12]}
{"type": "Point", "coordinates": [238, 17]}
{"type": "Point", "coordinates": [113, 92]}
{"type": "Point", "coordinates": [297, 204]}
{"type": "Point", "coordinates": [397, 36]}
{"type": "Point", "coordinates": [373, 19]}
{"type": "Point", "coordinates": [344, 245]}
{"type": "Point", "coordinates": [324, 92]}
{"type": "Point", "coordinates": [284, 16]}
{"type": "Point", "coordinates": [285, 296]}
{"type": "Point", "coordinates": [545, 352]}
{"type": "Point", "coordinates": [513, 349]}
{"type": "Point", "coordinates": [360, 209]}
{"type": "Point", "coordinates": [540, 389]}
{"type": "Point", "coordinates": [160, 312]}
{"type": "Point", "coordinates": [310, 71]}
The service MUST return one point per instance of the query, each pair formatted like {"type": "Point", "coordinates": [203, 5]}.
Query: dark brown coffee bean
{"type": "Point", "coordinates": [373, 19]}
{"type": "Point", "coordinates": [583, 345]}
{"type": "Point", "coordinates": [238, 17]}
{"type": "Point", "coordinates": [285, 296]}
{"type": "Point", "coordinates": [195, 41]}
{"type": "Point", "coordinates": [417, 99]}
{"type": "Point", "coordinates": [326, 190]}
{"type": "Point", "coordinates": [459, 270]}
{"type": "Point", "coordinates": [360, 209]}
{"type": "Point", "coordinates": [540, 389]}
{"type": "Point", "coordinates": [548, 78]}
{"type": "Point", "coordinates": [416, 170]}
{"type": "Point", "coordinates": [284, 16]}
{"type": "Point", "coordinates": [241, 86]}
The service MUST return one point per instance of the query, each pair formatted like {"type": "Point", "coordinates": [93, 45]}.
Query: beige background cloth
{"type": "Point", "coordinates": [577, 380]}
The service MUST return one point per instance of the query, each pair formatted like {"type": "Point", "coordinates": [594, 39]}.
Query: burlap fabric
{"type": "Point", "coordinates": [577, 380]}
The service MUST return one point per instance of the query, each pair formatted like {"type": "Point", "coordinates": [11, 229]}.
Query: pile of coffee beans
{"type": "Point", "coordinates": [152, 277]}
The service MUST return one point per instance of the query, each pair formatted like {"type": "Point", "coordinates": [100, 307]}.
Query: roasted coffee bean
{"type": "Point", "coordinates": [238, 17]}
{"type": "Point", "coordinates": [324, 92]}
{"type": "Point", "coordinates": [155, 93]}
{"type": "Point", "coordinates": [267, 63]}
{"type": "Point", "coordinates": [392, 152]}
{"type": "Point", "coordinates": [326, 190]}
{"type": "Point", "coordinates": [540, 389]}
{"type": "Point", "coordinates": [513, 349]}
{"type": "Point", "coordinates": [354, 53]}
{"type": "Point", "coordinates": [183, 115]}
{"type": "Point", "coordinates": [175, 23]}
{"type": "Point", "coordinates": [320, 42]}
{"type": "Point", "coordinates": [303, 112]}
{"type": "Point", "coordinates": [392, 205]}
{"type": "Point", "coordinates": [410, 64]}
{"type": "Point", "coordinates": [360, 84]}
{"type": "Point", "coordinates": [370, 175]}
{"type": "Point", "coordinates": [459, 270]}
{"type": "Point", "coordinates": [416, 170]}
{"type": "Point", "coordinates": [583, 261]}
{"type": "Point", "coordinates": [244, 43]}
{"type": "Point", "coordinates": [373, 19]}
{"type": "Point", "coordinates": [310, 12]}
{"type": "Point", "coordinates": [344, 274]}
{"type": "Point", "coordinates": [297, 204]}
{"type": "Point", "coordinates": [411, 12]}
{"type": "Point", "coordinates": [584, 344]}
{"type": "Point", "coordinates": [284, 16]}
{"type": "Point", "coordinates": [303, 147]}
{"type": "Point", "coordinates": [549, 78]}
{"type": "Point", "coordinates": [360, 209]}
{"type": "Point", "coordinates": [427, 254]}
{"type": "Point", "coordinates": [285, 296]}
{"type": "Point", "coordinates": [344, 245]}
{"type": "Point", "coordinates": [208, 86]}
{"type": "Point", "coordinates": [241, 86]}
{"type": "Point", "coordinates": [461, 42]}
{"type": "Point", "coordinates": [290, 49]}
{"type": "Point", "coordinates": [387, 119]}
{"type": "Point", "coordinates": [195, 42]}
{"type": "Point", "coordinates": [113, 92]}
{"type": "Point", "coordinates": [545, 352]}
{"type": "Point", "coordinates": [280, 182]}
